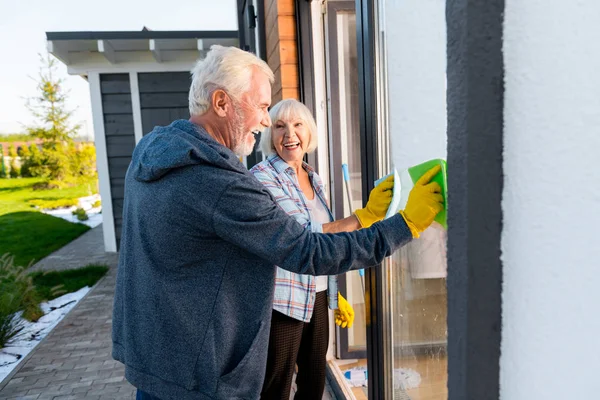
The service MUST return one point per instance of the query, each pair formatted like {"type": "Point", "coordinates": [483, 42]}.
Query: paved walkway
{"type": "Point", "coordinates": [74, 361]}
{"type": "Point", "coordinates": [86, 249]}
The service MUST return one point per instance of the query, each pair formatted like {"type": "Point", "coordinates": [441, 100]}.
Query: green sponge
{"type": "Point", "coordinates": [405, 181]}
{"type": "Point", "coordinates": [441, 178]}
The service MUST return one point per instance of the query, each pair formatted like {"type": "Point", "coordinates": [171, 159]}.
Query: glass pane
{"type": "Point", "coordinates": [419, 317]}
{"type": "Point", "coordinates": [350, 154]}
{"type": "Point", "coordinates": [344, 106]}
{"type": "Point", "coordinates": [415, 57]}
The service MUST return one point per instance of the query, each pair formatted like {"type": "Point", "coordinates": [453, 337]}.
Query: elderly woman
{"type": "Point", "coordinates": [299, 326]}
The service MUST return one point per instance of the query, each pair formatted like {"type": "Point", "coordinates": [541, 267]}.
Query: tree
{"type": "Point", "coordinates": [2, 166]}
{"type": "Point", "coordinates": [83, 165]}
{"type": "Point", "coordinates": [54, 124]}
{"type": "Point", "coordinates": [15, 170]}
{"type": "Point", "coordinates": [25, 154]}
{"type": "Point", "coordinates": [31, 161]}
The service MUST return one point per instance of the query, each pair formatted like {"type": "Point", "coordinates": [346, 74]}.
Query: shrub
{"type": "Point", "coordinates": [46, 185]}
{"type": "Point", "coordinates": [53, 204]}
{"type": "Point", "coordinates": [10, 323]}
{"type": "Point", "coordinates": [80, 214]}
{"type": "Point", "coordinates": [17, 293]}
{"type": "Point", "coordinates": [15, 169]}
{"type": "Point", "coordinates": [2, 167]}
{"type": "Point", "coordinates": [32, 161]}
{"type": "Point", "coordinates": [83, 166]}
{"type": "Point", "coordinates": [97, 203]}
{"type": "Point", "coordinates": [55, 162]}
{"type": "Point", "coordinates": [25, 155]}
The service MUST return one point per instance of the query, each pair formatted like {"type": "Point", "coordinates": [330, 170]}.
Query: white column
{"type": "Point", "coordinates": [135, 106]}
{"type": "Point", "coordinates": [108, 222]}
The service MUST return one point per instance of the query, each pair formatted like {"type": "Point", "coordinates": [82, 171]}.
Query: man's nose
{"type": "Point", "coordinates": [266, 121]}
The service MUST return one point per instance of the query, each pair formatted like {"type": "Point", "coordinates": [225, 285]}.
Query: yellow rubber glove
{"type": "Point", "coordinates": [344, 314]}
{"type": "Point", "coordinates": [378, 204]}
{"type": "Point", "coordinates": [424, 203]}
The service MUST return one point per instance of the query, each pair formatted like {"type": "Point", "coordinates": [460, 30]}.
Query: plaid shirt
{"type": "Point", "coordinates": [295, 293]}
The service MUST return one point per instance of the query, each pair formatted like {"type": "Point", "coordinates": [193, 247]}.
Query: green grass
{"type": "Point", "coordinates": [31, 236]}
{"type": "Point", "coordinates": [22, 291]}
{"type": "Point", "coordinates": [26, 233]}
{"type": "Point", "coordinates": [15, 194]}
{"type": "Point", "coordinates": [54, 204]}
{"type": "Point", "coordinates": [70, 280]}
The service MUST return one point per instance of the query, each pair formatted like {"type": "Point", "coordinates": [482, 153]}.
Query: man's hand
{"type": "Point", "coordinates": [378, 204]}
{"type": "Point", "coordinates": [344, 314]}
{"type": "Point", "coordinates": [424, 203]}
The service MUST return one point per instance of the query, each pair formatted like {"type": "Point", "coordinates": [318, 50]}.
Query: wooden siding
{"type": "Point", "coordinates": [282, 48]}
{"type": "Point", "coordinates": [163, 98]}
{"type": "Point", "coordinates": [120, 138]}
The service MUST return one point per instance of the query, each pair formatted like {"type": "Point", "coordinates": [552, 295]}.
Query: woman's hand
{"type": "Point", "coordinates": [424, 203]}
{"type": "Point", "coordinates": [344, 314]}
{"type": "Point", "coordinates": [378, 204]}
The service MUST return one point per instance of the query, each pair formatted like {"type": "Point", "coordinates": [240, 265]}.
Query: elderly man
{"type": "Point", "coordinates": [201, 238]}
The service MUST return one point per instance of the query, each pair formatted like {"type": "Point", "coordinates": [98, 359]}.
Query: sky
{"type": "Point", "coordinates": [23, 27]}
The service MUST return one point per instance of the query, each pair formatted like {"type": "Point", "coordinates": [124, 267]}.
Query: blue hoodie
{"type": "Point", "coordinates": [196, 271]}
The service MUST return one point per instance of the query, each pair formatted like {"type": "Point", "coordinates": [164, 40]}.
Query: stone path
{"type": "Point", "coordinates": [74, 361]}
{"type": "Point", "coordinates": [86, 249]}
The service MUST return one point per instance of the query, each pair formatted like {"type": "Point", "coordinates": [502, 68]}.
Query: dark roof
{"type": "Point", "coordinates": [109, 35]}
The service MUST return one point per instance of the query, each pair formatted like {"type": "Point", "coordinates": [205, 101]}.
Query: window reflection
{"type": "Point", "coordinates": [419, 327]}
{"type": "Point", "coordinates": [351, 155]}
{"type": "Point", "coordinates": [416, 275]}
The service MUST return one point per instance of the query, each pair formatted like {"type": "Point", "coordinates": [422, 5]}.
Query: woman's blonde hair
{"type": "Point", "coordinates": [287, 110]}
{"type": "Point", "coordinates": [226, 68]}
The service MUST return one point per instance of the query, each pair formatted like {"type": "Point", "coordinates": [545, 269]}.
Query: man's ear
{"type": "Point", "coordinates": [221, 102]}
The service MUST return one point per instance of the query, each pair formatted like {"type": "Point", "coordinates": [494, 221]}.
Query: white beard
{"type": "Point", "coordinates": [241, 146]}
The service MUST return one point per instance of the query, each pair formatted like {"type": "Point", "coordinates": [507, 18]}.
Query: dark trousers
{"type": "Point", "coordinates": [294, 342]}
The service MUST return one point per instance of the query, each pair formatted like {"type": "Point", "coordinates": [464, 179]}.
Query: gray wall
{"type": "Point", "coordinates": [163, 98]}
{"type": "Point", "coordinates": [120, 138]}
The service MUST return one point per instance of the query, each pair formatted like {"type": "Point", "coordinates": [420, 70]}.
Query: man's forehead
{"type": "Point", "coordinates": [260, 88]}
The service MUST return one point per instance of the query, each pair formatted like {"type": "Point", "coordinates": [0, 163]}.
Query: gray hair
{"type": "Point", "coordinates": [226, 68]}
{"type": "Point", "coordinates": [289, 109]}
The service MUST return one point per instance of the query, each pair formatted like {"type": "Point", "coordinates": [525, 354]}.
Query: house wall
{"type": "Point", "coordinates": [282, 53]}
{"type": "Point", "coordinates": [551, 201]}
{"type": "Point", "coordinates": [119, 135]}
{"type": "Point", "coordinates": [163, 98]}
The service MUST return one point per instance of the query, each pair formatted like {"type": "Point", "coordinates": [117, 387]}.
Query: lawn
{"type": "Point", "coordinates": [70, 280]}
{"type": "Point", "coordinates": [25, 232]}
{"type": "Point", "coordinates": [16, 193]}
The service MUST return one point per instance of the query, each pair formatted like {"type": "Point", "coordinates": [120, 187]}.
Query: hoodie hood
{"type": "Point", "coordinates": [178, 145]}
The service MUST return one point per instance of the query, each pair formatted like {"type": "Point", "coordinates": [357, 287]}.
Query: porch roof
{"type": "Point", "coordinates": [104, 51]}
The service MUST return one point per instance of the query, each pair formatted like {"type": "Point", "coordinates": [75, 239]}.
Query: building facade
{"type": "Point", "coordinates": [507, 93]}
